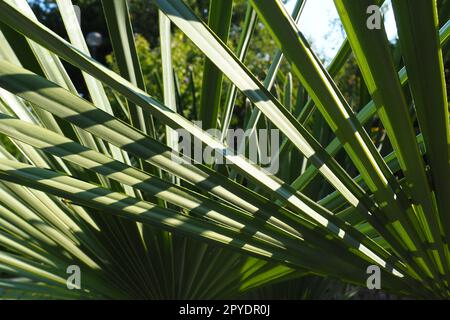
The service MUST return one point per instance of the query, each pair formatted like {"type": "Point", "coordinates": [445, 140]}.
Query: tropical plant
{"type": "Point", "coordinates": [98, 182]}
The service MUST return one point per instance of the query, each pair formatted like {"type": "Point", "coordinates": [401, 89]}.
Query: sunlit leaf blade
{"type": "Point", "coordinates": [219, 20]}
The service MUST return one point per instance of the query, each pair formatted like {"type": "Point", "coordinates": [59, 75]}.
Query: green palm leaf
{"type": "Point", "coordinates": [100, 181]}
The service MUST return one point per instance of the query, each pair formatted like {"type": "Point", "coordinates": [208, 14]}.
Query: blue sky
{"type": "Point", "coordinates": [320, 24]}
